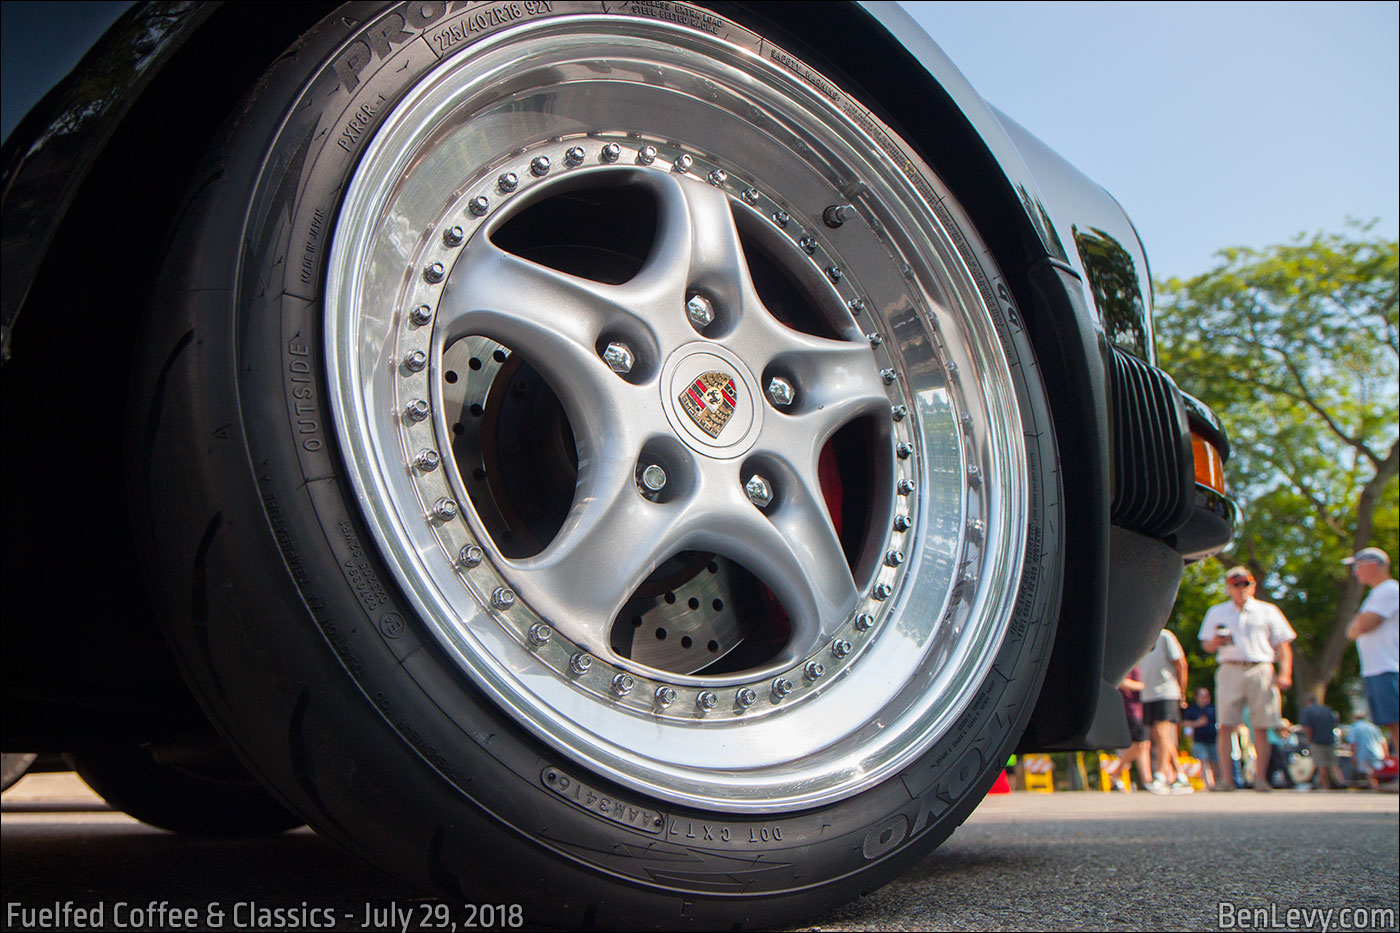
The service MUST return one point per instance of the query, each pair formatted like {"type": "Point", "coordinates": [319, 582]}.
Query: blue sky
{"type": "Point", "coordinates": [1214, 125]}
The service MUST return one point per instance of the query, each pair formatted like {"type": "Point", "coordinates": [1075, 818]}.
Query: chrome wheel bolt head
{"type": "Point", "coordinates": [683, 163]}
{"type": "Point", "coordinates": [780, 392]}
{"type": "Point", "coordinates": [427, 459]}
{"type": "Point", "coordinates": [575, 155]}
{"type": "Point", "coordinates": [653, 478]}
{"type": "Point", "coordinates": [750, 195]}
{"type": "Point", "coordinates": [453, 236]}
{"type": "Point", "coordinates": [746, 697]}
{"type": "Point", "coordinates": [882, 591]}
{"type": "Point", "coordinates": [808, 244]}
{"type": "Point", "coordinates": [857, 305]}
{"type": "Point", "coordinates": [611, 152]}
{"type": "Point", "coordinates": [718, 177]}
{"type": "Point", "coordinates": [814, 670]}
{"type": "Point", "coordinates": [619, 358]}
{"type": "Point", "coordinates": [665, 695]}
{"type": "Point", "coordinates": [580, 663]}
{"type": "Point", "coordinates": [479, 205]}
{"type": "Point", "coordinates": [840, 648]}
{"type": "Point", "coordinates": [974, 476]}
{"type": "Point", "coordinates": [622, 684]}
{"type": "Point", "coordinates": [539, 166]}
{"type": "Point", "coordinates": [445, 509]}
{"type": "Point", "coordinates": [416, 361]}
{"type": "Point", "coordinates": [902, 523]}
{"type": "Point", "coordinates": [781, 218]}
{"type": "Point", "coordinates": [976, 529]}
{"type": "Point", "coordinates": [700, 311]}
{"type": "Point", "coordinates": [758, 491]}
{"type": "Point", "coordinates": [540, 634]}
{"type": "Point", "coordinates": [875, 339]}
{"type": "Point", "coordinates": [421, 315]}
{"type": "Point", "coordinates": [904, 450]}
{"type": "Point", "coordinates": [834, 273]}
{"type": "Point", "coordinates": [707, 700]}
{"type": "Point", "coordinates": [864, 622]}
{"type": "Point", "coordinates": [837, 214]}
{"type": "Point", "coordinates": [894, 558]}
{"type": "Point", "coordinates": [418, 409]}
{"type": "Point", "coordinates": [434, 273]}
{"type": "Point", "coordinates": [508, 182]}
{"type": "Point", "coordinates": [898, 412]}
{"type": "Point", "coordinates": [781, 688]}
{"type": "Point", "coordinates": [904, 487]}
{"type": "Point", "coordinates": [646, 155]}
{"type": "Point", "coordinates": [503, 597]}
{"type": "Point", "coordinates": [471, 556]}
{"type": "Point", "coordinates": [887, 376]}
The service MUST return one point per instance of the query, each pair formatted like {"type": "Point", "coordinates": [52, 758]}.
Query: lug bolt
{"type": "Point", "coordinates": [434, 273]}
{"type": "Point", "coordinates": [580, 663]}
{"type": "Point", "coordinates": [903, 450]}
{"type": "Point", "coordinates": [707, 700]}
{"type": "Point", "coordinates": [418, 409]}
{"type": "Point", "coordinates": [750, 195]}
{"type": "Point", "coordinates": [745, 697]}
{"type": "Point", "coordinates": [471, 556]}
{"type": "Point", "coordinates": [839, 649]}
{"type": "Point", "coordinates": [780, 392]}
{"type": "Point", "coordinates": [653, 478]}
{"type": "Point", "coordinates": [416, 361]}
{"type": "Point", "coordinates": [864, 622]}
{"type": "Point", "coordinates": [902, 523]}
{"type": "Point", "coordinates": [904, 487]}
{"type": "Point", "coordinates": [622, 684]}
{"type": "Point", "coordinates": [421, 315]}
{"type": "Point", "coordinates": [647, 155]}
{"type": "Point", "coordinates": [894, 558]}
{"type": "Point", "coordinates": [683, 163]}
{"type": "Point", "coordinates": [837, 214]}
{"type": "Point", "coordinates": [758, 490]}
{"type": "Point", "coordinates": [540, 634]}
{"type": "Point", "coordinates": [453, 236]}
{"type": "Point", "coordinates": [834, 273]}
{"type": "Point", "coordinates": [898, 412]}
{"type": "Point", "coordinates": [503, 597]}
{"type": "Point", "coordinates": [427, 460]}
{"type": "Point", "coordinates": [665, 695]}
{"type": "Point", "coordinates": [781, 688]}
{"type": "Point", "coordinates": [611, 152]}
{"type": "Point", "coordinates": [781, 218]}
{"type": "Point", "coordinates": [445, 509]}
{"type": "Point", "coordinates": [808, 244]}
{"type": "Point", "coordinates": [575, 155]}
{"type": "Point", "coordinates": [718, 178]}
{"type": "Point", "coordinates": [882, 591]}
{"type": "Point", "coordinates": [814, 670]}
{"type": "Point", "coordinates": [619, 358]}
{"type": "Point", "coordinates": [539, 166]}
{"type": "Point", "coordinates": [479, 205]}
{"type": "Point", "coordinates": [857, 305]}
{"type": "Point", "coordinates": [700, 311]}
{"type": "Point", "coordinates": [508, 182]}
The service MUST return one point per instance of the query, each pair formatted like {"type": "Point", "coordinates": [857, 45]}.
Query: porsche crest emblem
{"type": "Point", "coordinates": [710, 401]}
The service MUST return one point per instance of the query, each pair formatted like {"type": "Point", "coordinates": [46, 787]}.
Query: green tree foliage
{"type": "Point", "coordinates": [1297, 348]}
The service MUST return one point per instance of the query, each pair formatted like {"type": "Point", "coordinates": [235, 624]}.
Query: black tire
{"type": "Point", "coordinates": [207, 798]}
{"type": "Point", "coordinates": [295, 631]}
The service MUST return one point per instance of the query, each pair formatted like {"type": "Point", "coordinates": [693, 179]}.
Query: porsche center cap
{"type": "Point", "coordinates": [710, 400]}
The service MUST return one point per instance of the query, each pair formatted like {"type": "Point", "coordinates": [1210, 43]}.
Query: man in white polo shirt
{"type": "Point", "coordinates": [1247, 636]}
{"type": "Point", "coordinates": [1376, 631]}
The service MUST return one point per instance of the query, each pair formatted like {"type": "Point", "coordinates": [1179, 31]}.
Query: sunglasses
{"type": "Point", "coordinates": [1235, 583]}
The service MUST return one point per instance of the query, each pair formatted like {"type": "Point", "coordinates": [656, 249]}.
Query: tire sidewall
{"type": "Point", "coordinates": [303, 651]}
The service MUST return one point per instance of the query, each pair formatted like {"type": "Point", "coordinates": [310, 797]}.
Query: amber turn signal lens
{"type": "Point", "coordinates": [1210, 469]}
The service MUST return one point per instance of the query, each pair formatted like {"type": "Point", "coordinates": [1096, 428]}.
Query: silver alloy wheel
{"type": "Point", "coordinates": [886, 643]}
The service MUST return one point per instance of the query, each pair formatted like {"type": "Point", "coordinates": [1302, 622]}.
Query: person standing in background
{"type": "Point", "coordinates": [1376, 631]}
{"type": "Point", "coordinates": [1164, 684]}
{"type": "Point", "coordinates": [1199, 720]}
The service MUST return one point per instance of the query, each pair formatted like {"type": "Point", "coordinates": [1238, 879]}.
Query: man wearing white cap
{"type": "Point", "coordinates": [1376, 631]}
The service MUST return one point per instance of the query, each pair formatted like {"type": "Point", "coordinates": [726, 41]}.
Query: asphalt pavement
{"type": "Point", "coordinates": [1062, 861]}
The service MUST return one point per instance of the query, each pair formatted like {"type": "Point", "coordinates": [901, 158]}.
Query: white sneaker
{"type": "Point", "coordinates": [1158, 786]}
{"type": "Point", "coordinates": [1180, 786]}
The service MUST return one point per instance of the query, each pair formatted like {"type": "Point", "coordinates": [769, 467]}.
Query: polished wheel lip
{"type": "Point", "coordinates": [741, 769]}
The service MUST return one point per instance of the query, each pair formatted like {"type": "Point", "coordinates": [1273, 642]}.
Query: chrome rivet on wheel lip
{"type": "Point", "coordinates": [453, 236]}
{"type": "Point", "coordinates": [646, 155]}
{"type": "Point", "coordinates": [840, 648]}
{"type": "Point", "coordinates": [540, 634]}
{"type": "Point", "coordinates": [808, 244]}
{"type": "Point", "coordinates": [903, 450]}
{"type": "Point", "coordinates": [610, 153]}
{"type": "Point", "coordinates": [418, 409]}
{"type": "Point", "coordinates": [434, 273]}
{"type": "Point", "coordinates": [837, 214]}
{"type": "Point", "coordinates": [508, 182]}
{"type": "Point", "coordinates": [834, 273]}
{"type": "Point", "coordinates": [421, 315]}
{"type": "Point", "coordinates": [682, 164]}
{"type": "Point", "coordinates": [857, 305]}
{"type": "Point", "coordinates": [427, 460]}
{"type": "Point", "coordinates": [503, 597]}
{"type": "Point", "coordinates": [781, 688]}
{"type": "Point", "coordinates": [539, 166]}
{"type": "Point", "coordinates": [758, 490]}
{"type": "Point", "coordinates": [622, 684]}
{"type": "Point", "coordinates": [653, 478]}
{"type": "Point", "coordinates": [416, 361]}
{"type": "Point", "coordinates": [665, 695]}
{"type": "Point", "coordinates": [864, 622]}
{"type": "Point", "coordinates": [718, 177]}
{"type": "Point", "coordinates": [707, 700]}
{"type": "Point", "coordinates": [575, 155]}
{"type": "Point", "coordinates": [750, 195]}
{"type": "Point", "coordinates": [745, 697]}
{"type": "Point", "coordinates": [813, 670]}
{"type": "Point", "coordinates": [619, 357]}
{"type": "Point", "coordinates": [893, 558]}
{"type": "Point", "coordinates": [780, 392]}
{"type": "Point", "coordinates": [471, 556]}
{"type": "Point", "coordinates": [902, 523]}
{"type": "Point", "coordinates": [898, 412]}
{"type": "Point", "coordinates": [479, 205]}
{"type": "Point", "coordinates": [445, 509]}
{"type": "Point", "coordinates": [700, 310]}
{"type": "Point", "coordinates": [781, 218]}
{"type": "Point", "coordinates": [579, 663]}
{"type": "Point", "coordinates": [882, 591]}
{"type": "Point", "coordinates": [904, 487]}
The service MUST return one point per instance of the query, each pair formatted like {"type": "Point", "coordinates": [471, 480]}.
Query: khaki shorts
{"type": "Point", "coordinates": [1252, 685]}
